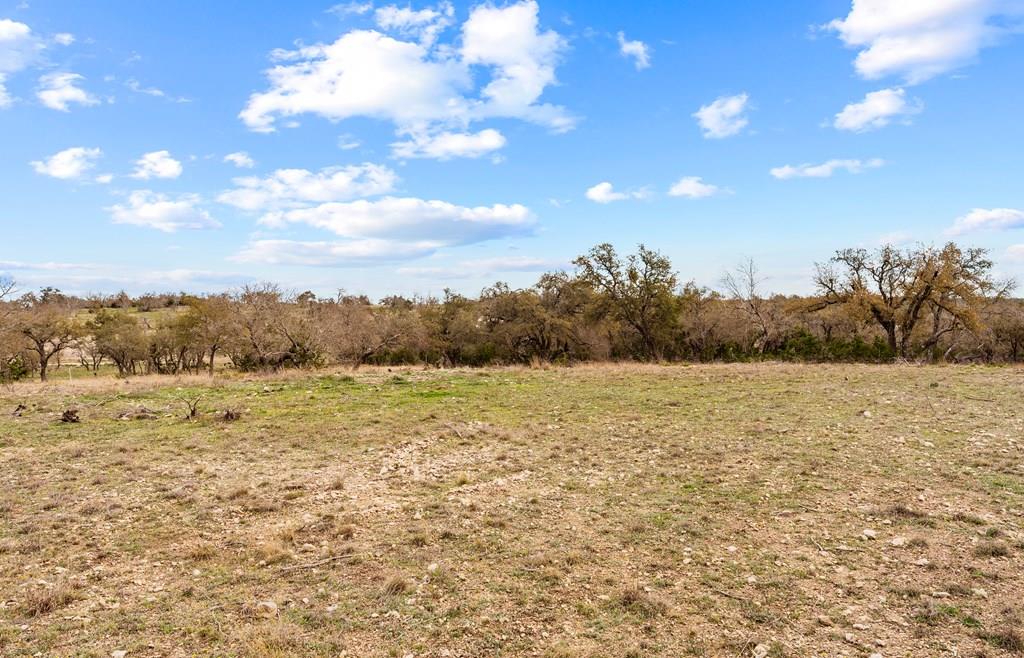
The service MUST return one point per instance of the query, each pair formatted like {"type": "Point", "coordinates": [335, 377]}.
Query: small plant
{"type": "Point", "coordinates": [992, 549]}
{"type": "Point", "coordinates": [41, 600]}
{"type": "Point", "coordinates": [70, 416]}
{"type": "Point", "coordinates": [636, 600]}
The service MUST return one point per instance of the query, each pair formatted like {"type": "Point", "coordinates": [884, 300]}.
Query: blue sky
{"type": "Point", "coordinates": [408, 148]}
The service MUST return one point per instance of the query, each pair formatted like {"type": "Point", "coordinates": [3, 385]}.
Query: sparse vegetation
{"type": "Point", "coordinates": [644, 510]}
{"type": "Point", "coordinates": [923, 304]}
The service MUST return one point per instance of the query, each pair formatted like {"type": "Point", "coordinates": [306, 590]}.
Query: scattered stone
{"type": "Point", "coordinates": [860, 627]}
{"type": "Point", "coordinates": [870, 534]}
{"type": "Point", "coordinates": [940, 595]}
{"type": "Point", "coordinates": [760, 651]}
{"type": "Point", "coordinates": [866, 413]}
{"type": "Point", "coordinates": [980, 593]}
{"type": "Point", "coordinates": [266, 609]}
{"type": "Point", "coordinates": [120, 653]}
{"type": "Point", "coordinates": [898, 541]}
{"type": "Point", "coordinates": [824, 621]}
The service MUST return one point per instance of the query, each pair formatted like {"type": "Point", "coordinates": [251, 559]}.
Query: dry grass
{"type": "Point", "coordinates": [602, 511]}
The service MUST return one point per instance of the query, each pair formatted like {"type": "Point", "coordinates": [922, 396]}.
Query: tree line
{"type": "Point", "coordinates": [922, 304]}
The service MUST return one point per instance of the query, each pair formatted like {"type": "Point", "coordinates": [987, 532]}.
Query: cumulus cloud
{"type": "Point", "coordinates": [19, 49]}
{"type": "Point", "coordinates": [638, 51]}
{"type": "Point", "coordinates": [424, 25]}
{"type": "Point", "coordinates": [919, 39]}
{"type": "Point", "coordinates": [448, 145]}
{"type": "Point", "coordinates": [411, 220]}
{"type": "Point", "coordinates": [296, 188]}
{"type": "Point", "coordinates": [240, 159]}
{"type": "Point", "coordinates": [996, 219]}
{"type": "Point", "coordinates": [825, 169]}
{"type": "Point", "coordinates": [59, 90]}
{"type": "Point", "coordinates": [68, 164]}
{"type": "Point", "coordinates": [64, 38]}
{"type": "Point", "coordinates": [877, 110]}
{"type": "Point", "coordinates": [723, 117]}
{"type": "Point", "coordinates": [693, 187]}
{"type": "Point", "coordinates": [605, 193]}
{"type": "Point", "coordinates": [161, 212]}
{"type": "Point", "coordinates": [157, 164]}
{"type": "Point", "coordinates": [422, 87]}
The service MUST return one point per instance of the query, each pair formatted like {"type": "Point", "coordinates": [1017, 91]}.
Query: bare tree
{"type": "Point", "coordinates": [743, 284]}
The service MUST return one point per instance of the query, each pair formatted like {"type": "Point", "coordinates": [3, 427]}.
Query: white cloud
{"type": "Point", "coordinates": [240, 159]}
{"type": "Point", "coordinates": [332, 254]}
{"type": "Point", "coordinates": [363, 73]}
{"type": "Point", "coordinates": [981, 218]}
{"type": "Point", "coordinates": [522, 58]}
{"type": "Point", "coordinates": [345, 8]}
{"type": "Point", "coordinates": [421, 87]}
{"type": "Point", "coordinates": [604, 193]}
{"type": "Point", "coordinates": [638, 51]}
{"type": "Point", "coordinates": [157, 164]}
{"type": "Point", "coordinates": [159, 211]}
{"type": "Point", "coordinates": [69, 163]}
{"type": "Point", "coordinates": [19, 49]}
{"type": "Point", "coordinates": [137, 87]}
{"type": "Point", "coordinates": [408, 220]}
{"type": "Point", "coordinates": [64, 39]}
{"type": "Point", "coordinates": [58, 90]}
{"type": "Point", "coordinates": [448, 145]}
{"type": "Point", "coordinates": [424, 25]}
{"type": "Point", "coordinates": [483, 267]}
{"type": "Point", "coordinates": [347, 142]}
{"type": "Point", "coordinates": [295, 188]}
{"type": "Point", "coordinates": [1015, 252]}
{"type": "Point", "coordinates": [723, 117]}
{"type": "Point", "coordinates": [825, 169]}
{"type": "Point", "coordinates": [693, 187]}
{"type": "Point", "coordinates": [877, 110]}
{"type": "Point", "coordinates": [104, 179]}
{"type": "Point", "coordinates": [919, 39]}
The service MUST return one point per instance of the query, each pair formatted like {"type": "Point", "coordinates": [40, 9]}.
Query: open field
{"type": "Point", "coordinates": [613, 511]}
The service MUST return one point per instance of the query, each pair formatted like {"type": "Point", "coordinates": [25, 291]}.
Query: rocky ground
{"type": "Point", "coordinates": [615, 511]}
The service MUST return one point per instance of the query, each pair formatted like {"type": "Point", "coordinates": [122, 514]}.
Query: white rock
{"type": "Point", "coordinates": [898, 541]}
{"type": "Point", "coordinates": [870, 534]}
{"type": "Point", "coordinates": [266, 609]}
{"type": "Point", "coordinates": [760, 651]}
{"type": "Point", "coordinates": [120, 653]}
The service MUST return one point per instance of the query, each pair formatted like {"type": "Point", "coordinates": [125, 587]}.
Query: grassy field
{"type": "Point", "coordinates": [617, 511]}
